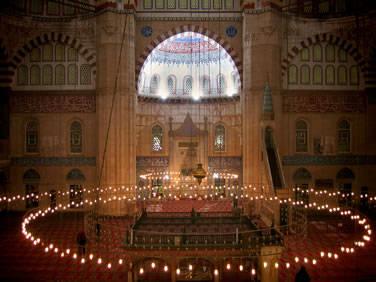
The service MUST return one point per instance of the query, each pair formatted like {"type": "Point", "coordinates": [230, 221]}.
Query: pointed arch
{"type": "Point", "coordinates": [184, 28]}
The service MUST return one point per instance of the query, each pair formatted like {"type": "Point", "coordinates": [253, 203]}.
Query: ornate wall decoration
{"type": "Point", "coordinates": [302, 174]}
{"type": "Point", "coordinates": [328, 160]}
{"type": "Point", "coordinates": [31, 174]}
{"type": "Point", "coordinates": [145, 162]}
{"type": "Point", "coordinates": [147, 31]}
{"type": "Point", "coordinates": [75, 174]}
{"type": "Point", "coordinates": [54, 161]}
{"type": "Point", "coordinates": [52, 104]}
{"type": "Point", "coordinates": [323, 104]}
{"type": "Point", "coordinates": [231, 31]}
{"type": "Point", "coordinates": [109, 28]}
{"type": "Point", "coordinates": [225, 162]}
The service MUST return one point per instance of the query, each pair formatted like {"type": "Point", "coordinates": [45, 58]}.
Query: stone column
{"type": "Point", "coordinates": [119, 165]}
{"type": "Point", "coordinates": [261, 56]}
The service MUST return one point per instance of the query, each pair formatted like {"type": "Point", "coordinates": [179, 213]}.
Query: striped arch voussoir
{"type": "Point", "coordinates": [194, 28]}
{"type": "Point", "coordinates": [324, 37]}
{"type": "Point", "coordinates": [54, 36]}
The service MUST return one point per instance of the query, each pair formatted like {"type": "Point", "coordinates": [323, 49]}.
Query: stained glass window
{"type": "Point", "coordinates": [171, 85]}
{"type": "Point", "coordinates": [293, 74]}
{"type": "Point", "coordinates": [52, 8]}
{"type": "Point", "coordinates": [68, 10]}
{"type": "Point", "coordinates": [344, 137]}
{"type": "Point", "coordinates": [317, 74]}
{"type": "Point", "coordinates": [32, 130]}
{"type": "Point", "coordinates": [156, 138]}
{"type": "Point", "coordinates": [85, 74]}
{"type": "Point", "coordinates": [72, 55]}
{"type": "Point", "coordinates": [354, 75]}
{"type": "Point", "coordinates": [229, 4]}
{"type": "Point", "coordinates": [206, 85]}
{"type": "Point", "coordinates": [47, 75]}
{"type": "Point", "coordinates": [342, 75]}
{"type": "Point", "coordinates": [330, 53]}
{"type": "Point", "coordinates": [22, 75]}
{"type": "Point", "coordinates": [59, 52]}
{"type": "Point", "coordinates": [148, 4]}
{"type": "Point", "coordinates": [76, 137]}
{"type": "Point", "coordinates": [205, 4]}
{"type": "Point", "coordinates": [304, 74]}
{"type": "Point", "coordinates": [194, 4]}
{"type": "Point", "coordinates": [221, 83]}
{"type": "Point", "coordinates": [304, 54]}
{"type": "Point", "coordinates": [36, 6]}
{"type": "Point", "coordinates": [329, 75]}
{"type": "Point", "coordinates": [217, 4]}
{"type": "Point", "coordinates": [159, 4]}
{"type": "Point", "coordinates": [188, 85]}
{"type": "Point", "coordinates": [342, 55]}
{"type": "Point", "coordinates": [171, 4]}
{"type": "Point", "coordinates": [59, 75]}
{"type": "Point", "coordinates": [154, 85]}
{"type": "Point", "coordinates": [72, 74]}
{"type": "Point", "coordinates": [301, 141]}
{"type": "Point", "coordinates": [47, 52]}
{"type": "Point", "coordinates": [317, 53]}
{"type": "Point", "coordinates": [35, 55]}
{"type": "Point", "coordinates": [35, 75]}
{"type": "Point", "coordinates": [219, 138]}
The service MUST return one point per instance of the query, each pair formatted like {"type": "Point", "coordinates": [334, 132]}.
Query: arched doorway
{"type": "Point", "coordinates": [31, 180]}
{"type": "Point", "coordinates": [302, 179]}
{"type": "Point", "coordinates": [75, 180]}
{"type": "Point", "coordinates": [345, 178]}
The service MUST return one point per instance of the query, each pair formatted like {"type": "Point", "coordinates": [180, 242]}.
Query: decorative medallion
{"type": "Point", "coordinates": [147, 31]}
{"type": "Point", "coordinates": [231, 31]}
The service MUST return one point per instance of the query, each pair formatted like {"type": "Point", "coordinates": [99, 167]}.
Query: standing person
{"type": "Point", "coordinates": [81, 241]}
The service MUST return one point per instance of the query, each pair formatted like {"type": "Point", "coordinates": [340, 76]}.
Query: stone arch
{"type": "Point", "coordinates": [67, 40]}
{"type": "Point", "coordinates": [31, 175]}
{"type": "Point", "coordinates": [184, 28]}
{"type": "Point", "coordinates": [302, 174]}
{"type": "Point", "coordinates": [6, 75]}
{"type": "Point", "coordinates": [75, 175]}
{"type": "Point", "coordinates": [348, 46]}
{"type": "Point", "coordinates": [345, 174]}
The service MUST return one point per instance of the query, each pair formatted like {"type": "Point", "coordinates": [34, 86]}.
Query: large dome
{"type": "Point", "coordinates": [189, 65]}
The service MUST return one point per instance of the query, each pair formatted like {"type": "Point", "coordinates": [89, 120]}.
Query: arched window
{"type": "Point", "coordinates": [221, 84]}
{"type": "Point", "coordinates": [72, 55]}
{"type": "Point", "coordinates": [188, 85]}
{"type": "Point", "coordinates": [342, 55]}
{"type": "Point", "coordinates": [72, 74]}
{"type": "Point", "coordinates": [330, 53]}
{"type": "Point", "coordinates": [317, 74]}
{"type": "Point", "coordinates": [35, 75]}
{"type": "Point", "coordinates": [342, 75]}
{"type": "Point", "coordinates": [304, 54]}
{"type": "Point", "coordinates": [156, 138]}
{"type": "Point", "coordinates": [59, 52]}
{"type": "Point", "coordinates": [171, 85]}
{"type": "Point", "coordinates": [354, 75]}
{"type": "Point", "coordinates": [206, 85]}
{"type": "Point", "coordinates": [85, 74]}
{"type": "Point", "coordinates": [304, 74]}
{"type": "Point", "coordinates": [59, 75]}
{"type": "Point", "coordinates": [317, 52]}
{"type": "Point", "coordinates": [22, 75]}
{"type": "Point", "coordinates": [301, 141]}
{"type": "Point", "coordinates": [154, 84]}
{"type": "Point", "coordinates": [47, 52]}
{"type": "Point", "coordinates": [293, 74]}
{"type": "Point", "coordinates": [76, 137]}
{"type": "Point", "coordinates": [344, 137]}
{"type": "Point", "coordinates": [32, 136]}
{"type": "Point", "coordinates": [219, 138]}
{"type": "Point", "coordinates": [35, 55]}
{"type": "Point", "coordinates": [329, 75]}
{"type": "Point", "coordinates": [47, 75]}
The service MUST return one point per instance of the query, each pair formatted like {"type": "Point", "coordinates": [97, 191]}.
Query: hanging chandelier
{"type": "Point", "coordinates": [199, 173]}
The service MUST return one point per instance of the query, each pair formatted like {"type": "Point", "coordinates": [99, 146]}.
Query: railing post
{"type": "Point", "coordinates": [132, 236]}
{"type": "Point", "coordinates": [237, 236]}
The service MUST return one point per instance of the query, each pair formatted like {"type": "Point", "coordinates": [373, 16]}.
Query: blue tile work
{"type": "Point", "coordinates": [231, 31]}
{"type": "Point", "coordinates": [146, 31]}
{"type": "Point", "coordinates": [329, 160]}
{"type": "Point", "coordinates": [148, 162]}
{"type": "Point", "coordinates": [54, 161]}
